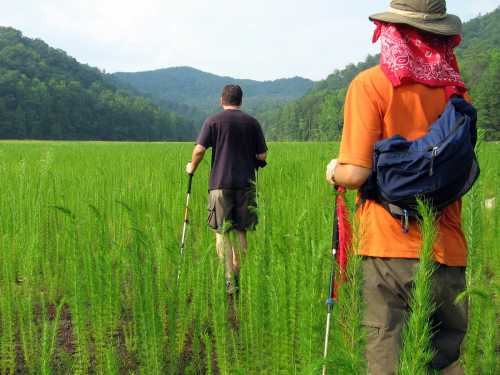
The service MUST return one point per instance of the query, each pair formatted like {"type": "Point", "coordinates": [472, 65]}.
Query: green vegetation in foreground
{"type": "Point", "coordinates": [89, 254]}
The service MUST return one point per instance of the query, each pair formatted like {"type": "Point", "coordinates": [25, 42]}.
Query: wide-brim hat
{"type": "Point", "coordinates": [426, 15]}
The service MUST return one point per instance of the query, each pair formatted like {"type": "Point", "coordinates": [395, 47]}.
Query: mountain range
{"type": "Point", "coordinates": [195, 94]}
{"type": "Point", "coordinates": [46, 94]}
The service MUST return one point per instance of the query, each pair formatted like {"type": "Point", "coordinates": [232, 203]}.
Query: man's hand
{"type": "Point", "coordinates": [260, 163]}
{"type": "Point", "coordinates": [189, 168]}
{"type": "Point", "coordinates": [262, 156]}
{"type": "Point", "coordinates": [330, 172]}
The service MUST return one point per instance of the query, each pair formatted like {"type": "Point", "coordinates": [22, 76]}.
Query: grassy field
{"type": "Point", "coordinates": [89, 259]}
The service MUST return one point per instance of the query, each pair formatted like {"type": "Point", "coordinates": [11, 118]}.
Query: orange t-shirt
{"type": "Point", "coordinates": [374, 110]}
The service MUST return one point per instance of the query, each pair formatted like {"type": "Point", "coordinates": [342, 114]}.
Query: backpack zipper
{"type": "Point", "coordinates": [435, 149]}
{"type": "Point", "coordinates": [433, 156]}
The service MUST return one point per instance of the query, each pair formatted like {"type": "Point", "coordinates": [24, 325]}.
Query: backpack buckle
{"type": "Point", "coordinates": [405, 221]}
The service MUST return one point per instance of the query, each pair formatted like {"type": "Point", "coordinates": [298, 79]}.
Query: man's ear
{"type": "Point", "coordinates": [221, 102]}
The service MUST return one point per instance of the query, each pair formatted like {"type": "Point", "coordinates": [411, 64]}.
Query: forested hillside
{"type": "Point", "coordinates": [479, 57]}
{"type": "Point", "coordinates": [195, 94]}
{"type": "Point", "coordinates": [45, 94]}
{"type": "Point", "coordinates": [318, 115]}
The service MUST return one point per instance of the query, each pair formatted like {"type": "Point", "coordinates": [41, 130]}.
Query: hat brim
{"type": "Point", "coordinates": [451, 25]}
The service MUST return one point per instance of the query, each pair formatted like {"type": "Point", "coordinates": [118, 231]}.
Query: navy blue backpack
{"type": "Point", "coordinates": [439, 168]}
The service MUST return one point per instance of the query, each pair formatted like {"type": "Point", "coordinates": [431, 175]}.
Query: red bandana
{"type": "Point", "coordinates": [411, 56]}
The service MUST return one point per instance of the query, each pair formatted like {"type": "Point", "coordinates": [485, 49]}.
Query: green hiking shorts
{"type": "Point", "coordinates": [232, 209]}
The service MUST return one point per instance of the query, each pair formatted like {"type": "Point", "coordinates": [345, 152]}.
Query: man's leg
{"type": "Point", "coordinates": [386, 292]}
{"type": "Point", "coordinates": [240, 248]}
{"type": "Point", "coordinates": [242, 241]}
{"type": "Point", "coordinates": [449, 319]}
{"type": "Point", "coordinates": [220, 209]}
{"type": "Point", "coordinates": [225, 252]}
{"type": "Point", "coordinates": [245, 217]}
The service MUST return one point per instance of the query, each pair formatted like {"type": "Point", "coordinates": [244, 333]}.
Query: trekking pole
{"type": "Point", "coordinates": [338, 256]}
{"type": "Point", "coordinates": [186, 214]}
{"type": "Point", "coordinates": [186, 219]}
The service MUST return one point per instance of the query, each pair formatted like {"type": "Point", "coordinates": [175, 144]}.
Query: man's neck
{"type": "Point", "coordinates": [229, 107]}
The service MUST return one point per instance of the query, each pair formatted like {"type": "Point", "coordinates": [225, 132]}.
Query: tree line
{"type": "Point", "coordinates": [318, 115]}
{"type": "Point", "coordinates": [45, 94]}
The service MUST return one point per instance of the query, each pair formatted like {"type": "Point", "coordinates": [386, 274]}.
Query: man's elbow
{"type": "Point", "coordinates": [199, 150]}
{"type": "Point", "coordinates": [354, 182]}
{"type": "Point", "coordinates": [352, 177]}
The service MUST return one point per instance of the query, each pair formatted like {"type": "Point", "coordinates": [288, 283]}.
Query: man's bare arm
{"type": "Point", "coordinates": [348, 175]}
{"type": "Point", "coordinates": [351, 176]}
{"type": "Point", "coordinates": [196, 158]}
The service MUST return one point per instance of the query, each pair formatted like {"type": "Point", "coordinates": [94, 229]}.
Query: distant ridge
{"type": "Point", "coordinates": [199, 91]}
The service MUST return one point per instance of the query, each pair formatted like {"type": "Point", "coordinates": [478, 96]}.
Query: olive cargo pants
{"type": "Point", "coordinates": [388, 285]}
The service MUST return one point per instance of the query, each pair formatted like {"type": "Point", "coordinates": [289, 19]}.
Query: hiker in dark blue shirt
{"type": "Point", "coordinates": [238, 149]}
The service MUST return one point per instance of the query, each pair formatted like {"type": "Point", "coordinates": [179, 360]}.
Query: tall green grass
{"type": "Point", "coordinates": [416, 353]}
{"type": "Point", "coordinates": [89, 258]}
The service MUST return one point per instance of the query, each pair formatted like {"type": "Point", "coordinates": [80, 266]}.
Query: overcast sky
{"type": "Point", "coordinates": [258, 39]}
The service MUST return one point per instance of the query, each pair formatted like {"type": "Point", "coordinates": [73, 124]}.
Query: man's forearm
{"type": "Point", "coordinates": [347, 175]}
{"type": "Point", "coordinates": [197, 157]}
{"type": "Point", "coordinates": [351, 176]}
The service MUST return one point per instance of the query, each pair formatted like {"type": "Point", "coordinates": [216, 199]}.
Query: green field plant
{"type": "Point", "coordinates": [89, 265]}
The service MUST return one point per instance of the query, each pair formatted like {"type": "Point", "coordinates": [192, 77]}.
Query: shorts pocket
{"type": "Point", "coordinates": [212, 216]}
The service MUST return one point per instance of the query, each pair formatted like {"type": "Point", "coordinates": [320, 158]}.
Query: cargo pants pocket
{"type": "Point", "coordinates": [381, 350]}
{"type": "Point", "coordinates": [212, 216]}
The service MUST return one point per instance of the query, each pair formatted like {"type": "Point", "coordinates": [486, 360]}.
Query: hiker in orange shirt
{"type": "Point", "coordinates": [404, 95]}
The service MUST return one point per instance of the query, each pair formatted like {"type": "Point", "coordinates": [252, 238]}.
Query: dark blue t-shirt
{"type": "Point", "coordinates": [236, 138]}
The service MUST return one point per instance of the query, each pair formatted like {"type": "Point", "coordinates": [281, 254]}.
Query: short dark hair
{"type": "Point", "coordinates": [232, 95]}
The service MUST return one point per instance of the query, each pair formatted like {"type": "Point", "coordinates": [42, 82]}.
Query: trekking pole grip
{"type": "Point", "coordinates": [190, 183]}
